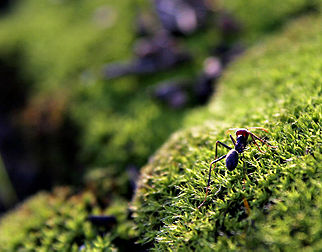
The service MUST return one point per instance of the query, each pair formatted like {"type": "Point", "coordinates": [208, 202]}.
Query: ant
{"type": "Point", "coordinates": [232, 156]}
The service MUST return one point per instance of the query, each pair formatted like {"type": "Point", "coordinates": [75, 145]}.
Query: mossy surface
{"type": "Point", "coordinates": [277, 85]}
{"type": "Point", "coordinates": [121, 125]}
{"type": "Point", "coordinates": [57, 222]}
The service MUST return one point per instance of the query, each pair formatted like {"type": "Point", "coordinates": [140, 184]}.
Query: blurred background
{"type": "Point", "coordinates": [89, 89]}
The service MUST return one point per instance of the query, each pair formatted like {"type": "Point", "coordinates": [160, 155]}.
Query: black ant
{"type": "Point", "coordinates": [233, 154]}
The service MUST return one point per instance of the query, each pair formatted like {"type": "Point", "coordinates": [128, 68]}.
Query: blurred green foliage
{"type": "Point", "coordinates": [259, 17]}
{"type": "Point", "coordinates": [61, 46]}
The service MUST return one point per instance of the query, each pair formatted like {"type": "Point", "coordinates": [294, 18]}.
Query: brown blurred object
{"type": "Point", "coordinates": [228, 26]}
{"type": "Point", "coordinates": [44, 114]}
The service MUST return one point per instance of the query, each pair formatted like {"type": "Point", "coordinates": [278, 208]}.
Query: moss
{"type": "Point", "coordinates": [277, 85]}
{"type": "Point", "coordinates": [62, 50]}
{"type": "Point", "coordinates": [54, 222]}
{"type": "Point", "coordinates": [265, 17]}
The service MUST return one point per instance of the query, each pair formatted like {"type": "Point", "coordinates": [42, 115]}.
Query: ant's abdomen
{"type": "Point", "coordinates": [232, 159]}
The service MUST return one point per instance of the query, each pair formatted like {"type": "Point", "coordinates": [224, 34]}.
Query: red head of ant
{"type": "Point", "coordinates": [232, 156]}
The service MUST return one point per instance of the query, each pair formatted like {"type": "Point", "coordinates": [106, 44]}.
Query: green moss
{"type": "Point", "coordinates": [99, 244]}
{"type": "Point", "coordinates": [62, 49]}
{"type": "Point", "coordinates": [53, 222]}
{"type": "Point", "coordinates": [276, 85]}
{"type": "Point", "coordinates": [266, 17]}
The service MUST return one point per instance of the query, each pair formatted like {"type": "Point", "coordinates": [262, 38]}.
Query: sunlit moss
{"type": "Point", "coordinates": [277, 85]}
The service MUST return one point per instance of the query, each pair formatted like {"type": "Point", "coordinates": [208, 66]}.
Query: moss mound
{"type": "Point", "coordinates": [277, 85]}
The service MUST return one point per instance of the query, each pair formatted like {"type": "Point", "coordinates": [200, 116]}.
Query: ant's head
{"type": "Point", "coordinates": [242, 132]}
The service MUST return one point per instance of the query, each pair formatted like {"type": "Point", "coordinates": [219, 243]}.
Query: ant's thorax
{"type": "Point", "coordinates": [241, 143]}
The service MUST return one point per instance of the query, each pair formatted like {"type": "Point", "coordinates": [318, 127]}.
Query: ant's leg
{"type": "Point", "coordinates": [254, 136]}
{"type": "Point", "coordinates": [208, 185]}
{"type": "Point", "coordinates": [233, 140]}
{"type": "Point", "coordinates": [214, 162]}
{"type": "Point", "coordinates": [256, 143]}
{"type": "Point", "coordinates": [231, 129]}
{"type": "Point", "coordinates": [225, 145]}
{"type": "Point", "coordinates": [260, 128]}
